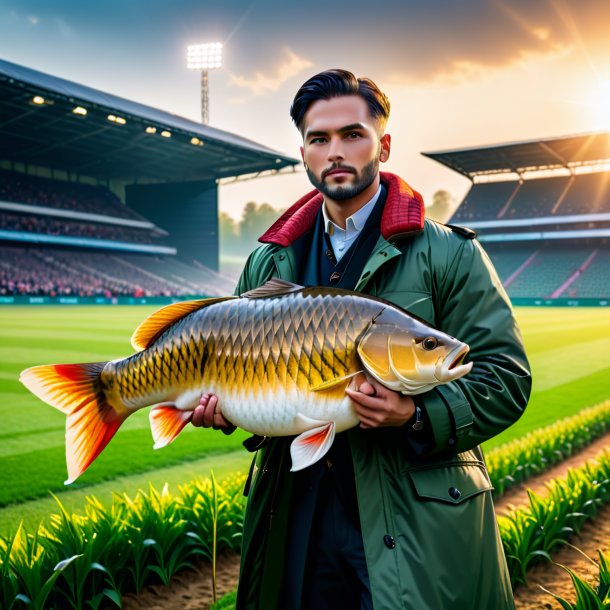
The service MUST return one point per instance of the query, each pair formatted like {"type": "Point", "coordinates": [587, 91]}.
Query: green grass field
{"type": "Point", "coordinates": [569, 351]}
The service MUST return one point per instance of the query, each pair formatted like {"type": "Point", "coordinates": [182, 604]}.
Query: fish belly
{"type": "Point", "coordinates": [287, 412]}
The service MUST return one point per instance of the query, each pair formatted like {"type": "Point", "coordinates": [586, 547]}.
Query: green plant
{"type": "Point", "coordinates": [531, 533]}
{"type": "Point", "coordinates": [517, 461]}
{"type": "Point", "coordinates": [588, 598]}
{"type": "Point", "coordinates": [85, 560]}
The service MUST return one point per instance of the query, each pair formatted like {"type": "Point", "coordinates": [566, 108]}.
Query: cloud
{"type": "Point", "coordinates": [33, 19]}
{"type": "Point", "coordinates": [291, 65]}
{"type": "Point", "coordinates": [464, 70]}
{"type": "Point", "coordinates": [463, 41]}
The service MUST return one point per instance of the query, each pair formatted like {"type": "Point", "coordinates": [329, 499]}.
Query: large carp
{"type": "Point", "coordinates": [279, 357]}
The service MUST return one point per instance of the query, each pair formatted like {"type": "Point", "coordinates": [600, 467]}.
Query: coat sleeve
{"type": "Point", "coordinates": [472, 306]}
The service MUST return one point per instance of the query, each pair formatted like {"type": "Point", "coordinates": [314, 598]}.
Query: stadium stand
{"type": "Point", "coordinates": [51, 226]}
{"type": "Point", "coordinates": [536, 198]}
{"type": "Point", "coordinates": [46, 192]}
{"type": "Point", "coordinates": [485, 201]}
{"type": "Point", "coordinates": [587, 194]}
{"type": "Point", "coordinates": [542, 211]}
{"type": "Point", "coordinates": [103, 198]}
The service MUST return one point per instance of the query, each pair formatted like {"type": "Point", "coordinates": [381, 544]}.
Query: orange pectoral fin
{"type": "Point", "coordinates": [166, 423]}
{"type": "Point", "coordinates": [310, 446]}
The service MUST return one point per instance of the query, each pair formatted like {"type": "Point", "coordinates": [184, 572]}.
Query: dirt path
{"type": "Point", "coordinates": [193, 590]}
{"type": "Point", "coordinates": [189, 590]}
{"type": "Point", "coordinates": [517, 496]}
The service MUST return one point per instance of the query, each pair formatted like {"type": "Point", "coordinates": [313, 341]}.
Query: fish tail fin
{"type": "Point", "coordinates": [76, 390]}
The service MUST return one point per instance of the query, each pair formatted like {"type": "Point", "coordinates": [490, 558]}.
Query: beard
{"type": "Point", "coordinates": [340, 192]}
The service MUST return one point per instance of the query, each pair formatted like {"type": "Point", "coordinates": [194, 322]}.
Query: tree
{"type": "Point", "coordinates": [442, 206]}
{"type": "Point", "coordinates": [255, 220]}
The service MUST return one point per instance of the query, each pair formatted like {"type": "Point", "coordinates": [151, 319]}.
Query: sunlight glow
{"type": "Point", "coordinates": [601, 104]}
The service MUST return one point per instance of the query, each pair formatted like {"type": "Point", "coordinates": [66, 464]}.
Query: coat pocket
{"type": "Point", "coordinates": [452, 482]}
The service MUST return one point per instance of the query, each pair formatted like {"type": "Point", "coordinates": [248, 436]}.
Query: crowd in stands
{"type": "Point", "coordinates": [33, 190]}
{"type": "Point", "coordinates": [54, 226]}
{"type": "Point", "coordinates": [38, 271]}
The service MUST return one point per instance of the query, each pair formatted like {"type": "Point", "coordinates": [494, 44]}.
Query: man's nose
{"type": "Point", "coordinates": [335, 150]}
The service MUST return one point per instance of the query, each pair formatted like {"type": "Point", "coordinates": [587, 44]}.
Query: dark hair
{"type": "Point", "coordinates": [336, 83]}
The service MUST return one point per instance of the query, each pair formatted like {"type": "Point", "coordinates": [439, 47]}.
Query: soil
{"type": "Point", "coordinates": [189, 590]}
{"type": "Point", "coordinates": [193, 590]}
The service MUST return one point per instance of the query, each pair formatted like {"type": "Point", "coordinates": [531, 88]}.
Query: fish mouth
{"type": "Point", "coordinates": [452, 366]}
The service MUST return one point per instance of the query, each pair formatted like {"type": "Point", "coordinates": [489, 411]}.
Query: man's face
{"type": "Point", "coordinates": [342, 146]}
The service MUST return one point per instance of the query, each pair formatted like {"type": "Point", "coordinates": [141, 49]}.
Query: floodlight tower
{"type": "Point", "coordinates": [204, 57]}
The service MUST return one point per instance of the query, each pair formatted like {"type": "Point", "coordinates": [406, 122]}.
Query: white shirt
{"type": "Point", "coordinates": [342, 239]}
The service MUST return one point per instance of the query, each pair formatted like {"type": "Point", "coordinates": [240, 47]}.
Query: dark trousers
{"type": "Point", "coordinates": [327, 571]}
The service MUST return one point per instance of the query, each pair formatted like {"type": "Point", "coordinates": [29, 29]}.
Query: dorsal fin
{"type": "Point", "coordinates": [272, 288]}
{"type": "Point", "coordinates": [161, 319]}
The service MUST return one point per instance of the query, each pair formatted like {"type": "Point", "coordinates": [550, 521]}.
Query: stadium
{"type": "Point", "coordinates": [106, 200]}
{"type": "Point", "coordinates": [542, 212]}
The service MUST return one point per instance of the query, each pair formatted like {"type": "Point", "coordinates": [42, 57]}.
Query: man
{"type": "Point", "coordinates": [399, 515]}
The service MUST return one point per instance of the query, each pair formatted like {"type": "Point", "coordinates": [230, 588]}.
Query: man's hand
{"type": "Point", "coordinates": [207, 414]}
{"type": "Point", "coordinates": [377, 406]}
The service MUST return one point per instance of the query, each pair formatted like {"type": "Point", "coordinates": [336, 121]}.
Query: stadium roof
{"type": "Point", "coordinates": [50, 134]}
{"type": "Point", "coordinates": [519, 157]}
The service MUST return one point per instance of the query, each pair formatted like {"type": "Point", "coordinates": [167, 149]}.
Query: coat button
{"type": "Point", "coordinates": [455, 493]}
{"type": "Point", "coordinates": [389, 541]}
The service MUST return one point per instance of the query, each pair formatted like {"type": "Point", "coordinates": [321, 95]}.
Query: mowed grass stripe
{"type": "Point", "coordinates": [568, 363]}
{"type": "Point", "coordinates": [545, 328]}
{"type": "Point", "coordinates": [556, 403]}
{"type": "Point", "coordinates": [33, 512]}
{"type": "Point", "coordinates": [33, 335]}
{"type": "Point", "coordinates": [32, 474]}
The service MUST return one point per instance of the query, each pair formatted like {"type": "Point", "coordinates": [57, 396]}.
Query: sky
{"type": "Point", "coordinates": [458, 73]}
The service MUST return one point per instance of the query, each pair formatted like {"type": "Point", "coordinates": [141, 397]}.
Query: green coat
{"type": "Point", "coordinates": [428, 546]}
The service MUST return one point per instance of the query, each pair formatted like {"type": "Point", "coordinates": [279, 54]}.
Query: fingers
{"type": "Point", "coordinates": [208, 414]}
{"type": "Point", "coordinates": [382, 408]}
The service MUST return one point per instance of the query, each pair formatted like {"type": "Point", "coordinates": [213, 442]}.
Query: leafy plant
{"type": "Point", "coordinates": [588, 598]}
{"type": "Point", "coordinates": [517, 461]}
{"type": "Point", "coordinates": [531, 533]}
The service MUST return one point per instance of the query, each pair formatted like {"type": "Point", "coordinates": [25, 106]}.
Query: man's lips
{"type": "Point", "coordinates": [339, 172]}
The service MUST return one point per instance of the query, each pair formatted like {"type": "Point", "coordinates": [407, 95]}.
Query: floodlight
{"type": "Point", "coordinates": [204, 57]}
{"type": "Point", "coordinates": [37, 99]}
{"type": "Point", "coordinates": [151, 129]}
{"type": "Point", "coordinates": [196, 142]}
{"type": "Point", "coordinates": [120, 120]}
{"type": "Point", "coordinates": [80, 110]}
{"type": "Point", "coordinates": [112, 118]}
{"type": "Point", "coordinates": [166, 134]}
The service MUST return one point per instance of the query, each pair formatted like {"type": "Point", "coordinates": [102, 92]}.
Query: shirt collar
{"type": "Point", "coordinates": [355, 223]}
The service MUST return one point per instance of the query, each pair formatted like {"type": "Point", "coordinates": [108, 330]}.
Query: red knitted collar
{"type": "Point", "coordinates": [403, 214]}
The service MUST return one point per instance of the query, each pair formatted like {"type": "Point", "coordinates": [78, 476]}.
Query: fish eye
{"type": "Point", "coordinates": [429, 343]}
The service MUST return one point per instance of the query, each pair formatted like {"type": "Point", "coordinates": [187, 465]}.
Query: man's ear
{"type": "Point", "coordinates": [386, 143]}
{"type": "Point", "coordinates": [302, 153]}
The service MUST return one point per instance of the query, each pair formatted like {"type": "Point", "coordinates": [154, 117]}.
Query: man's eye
{"type": "Point", "coordinates": [317, 140]}
{"type": "Point", "coordinates": [353, 135]}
